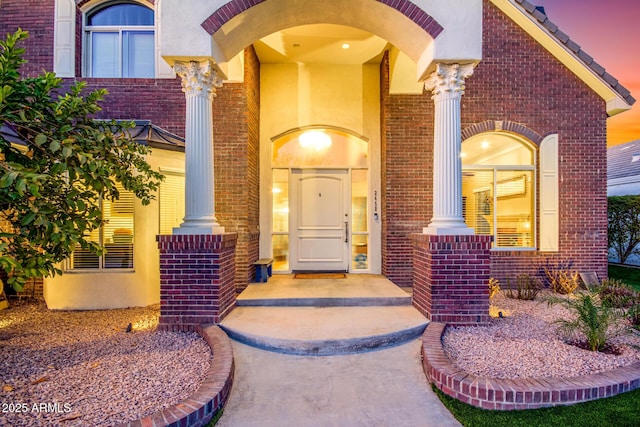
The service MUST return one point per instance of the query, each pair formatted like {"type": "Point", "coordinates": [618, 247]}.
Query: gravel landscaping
{"type": "Point", "coordinates": [525, 344]}
{"type": "Point", "coordinates": [79, 368]}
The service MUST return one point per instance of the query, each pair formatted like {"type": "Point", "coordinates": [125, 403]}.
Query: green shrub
{"type": "Point", "coordinates": [634, 315]}
{"type": "Point", "coordinates": [616, 294]}
{"type": "Point", "coordinates": [527, 287]}
{"type": "Point", "coordinates": [595, 321]}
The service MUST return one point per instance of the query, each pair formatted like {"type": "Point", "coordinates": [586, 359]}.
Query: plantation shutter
{"type": "Point", "coordinates": [171, 201]}
{"type": "Point", "coordinates": [549, 197]}
{"type": "Point", "coordinates": [118, 231]}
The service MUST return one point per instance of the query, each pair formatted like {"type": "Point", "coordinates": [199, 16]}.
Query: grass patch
{"type": "Point", "coordinates": [621, 410]}
{"type": "Point", "coordinates": [629, 275]}
{"type": "Point", "coordinates": [215, 418]}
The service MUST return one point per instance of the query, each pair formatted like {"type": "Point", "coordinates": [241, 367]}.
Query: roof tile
{"type": "Point", "coordinates": [575, 48]}
{"type": "Point", "coordinates": [585, 57]}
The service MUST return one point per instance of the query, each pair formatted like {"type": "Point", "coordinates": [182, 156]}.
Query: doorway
{"type": "Point", "coordinates": [323, 206]}
{"type": "Point", "coordinates": [320, 237]}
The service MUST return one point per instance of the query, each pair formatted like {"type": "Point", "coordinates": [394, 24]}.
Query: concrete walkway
{"type": "Point", "coordinates": [325, 352]}
{"type": "Point", "coordinates": [379, 388]}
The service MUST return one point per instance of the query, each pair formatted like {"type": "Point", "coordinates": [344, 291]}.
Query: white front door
{"type": "Point", "coordinates": [319, 212]}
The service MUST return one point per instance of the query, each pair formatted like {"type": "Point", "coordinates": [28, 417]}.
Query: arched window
{"type": "Point", "coordinates": [119, 41]}
{"type": "Point", "coordinates": [498, 188]}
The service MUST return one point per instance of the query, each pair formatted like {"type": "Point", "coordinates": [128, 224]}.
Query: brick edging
{"type": "Point", "coordinates": [212, 395]}
{"type": "Point", "coordinates": [502, 394]}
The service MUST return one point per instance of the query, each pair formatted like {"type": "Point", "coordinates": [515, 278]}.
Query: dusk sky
{"type": "Point", "coordinates": [609, 31]}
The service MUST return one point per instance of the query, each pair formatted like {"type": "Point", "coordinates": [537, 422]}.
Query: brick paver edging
{"type": "Point", "coordinates": [201, 406]}
{"type": "Point", "coordinates": [492, 393]}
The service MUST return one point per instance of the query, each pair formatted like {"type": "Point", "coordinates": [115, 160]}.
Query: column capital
{"type": "Point", "coordinates": [448, 80]}
{"type": "Point", "coordinates": [198, 78]}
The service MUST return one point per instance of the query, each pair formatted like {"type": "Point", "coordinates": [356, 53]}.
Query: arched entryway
{"type": "Point", "coordinates": [322, 216]}
{"type": "Point", "coordinates": [324, 64]}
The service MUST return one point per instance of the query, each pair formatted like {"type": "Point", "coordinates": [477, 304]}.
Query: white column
{"type": "Point", "coordinates": [199, 83]}
{"type": "Point", "coordinates": [447, 85]}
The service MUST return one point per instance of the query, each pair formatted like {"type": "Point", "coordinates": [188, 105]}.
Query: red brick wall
{"type": "Point", "coordinates": [526, 85]}
{"type": "Point", "coordinates": [197, 280]}
{"type": "Point", "coordinates": [450, 278]}
{"type": "Point", "coordinates": [518, 81]}
{"type": "Point", "coordinates": [407, 159]}
{"type": "Point", "coordinates": [159, 100]}
{"type": "Point", "coordinates": [252, 87]}
{"type": "Point", "coordinates": [36, 17]}
{"type": "Point", "coordinates": [236, 112]}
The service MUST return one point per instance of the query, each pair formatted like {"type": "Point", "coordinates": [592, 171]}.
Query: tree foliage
{"type": "Point", "coordinates": [56, 163]}
{"type": "Point", "coordinates": [624, 226]}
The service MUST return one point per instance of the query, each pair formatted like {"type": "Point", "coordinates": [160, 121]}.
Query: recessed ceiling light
{"type": "Point", "coordinates": [346, 45]}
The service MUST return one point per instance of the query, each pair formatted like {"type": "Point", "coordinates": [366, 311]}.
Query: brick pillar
{"type": "Point", "coordinates": [197, 279]}
{"type": "Point", "coordinates": [450, 278]}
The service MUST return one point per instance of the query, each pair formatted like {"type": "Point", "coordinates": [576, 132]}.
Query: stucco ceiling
{"type": "Point", "coordinates": [320, 43]}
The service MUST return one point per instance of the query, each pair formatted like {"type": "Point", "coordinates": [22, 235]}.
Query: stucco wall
{"type": "Point", "coordinates": [298, 95]}
{"type": "Point", "coordinates": [98, 290]}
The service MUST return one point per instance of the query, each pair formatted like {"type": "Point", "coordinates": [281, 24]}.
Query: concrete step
{"type": "Point", "coordinates": [325, 302]}
{"type": "Point", "coordinates": [324, 331]}
{"type": "Point", "coordinates": [354, 290]}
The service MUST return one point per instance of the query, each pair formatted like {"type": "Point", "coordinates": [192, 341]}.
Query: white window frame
{"type": "Point", "coordinates": [88, 30]}
{"type": "Point", "coordinates": [512, 168]}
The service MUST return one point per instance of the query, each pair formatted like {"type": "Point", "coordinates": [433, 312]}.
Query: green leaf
{"type": "Point", "coordinates": [54, 146]}
{"type": "Point", "coordinates": [28, 218]}
{"type": "Point", "coordinates": [21, 186]}
{"type": "Point", "coordinates": [8, 179]}
{"type": "Point", "coordinates": [40, 139]}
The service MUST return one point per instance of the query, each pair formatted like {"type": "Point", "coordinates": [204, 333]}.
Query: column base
{"type": "Point", "coordinates": [198, 229]}
{"type": "Point", "coordinates": [448, 231]}
{"type": "Point", "coordinates": [451, 276]}
{"type": "Point", "coordinates": [197, 279]}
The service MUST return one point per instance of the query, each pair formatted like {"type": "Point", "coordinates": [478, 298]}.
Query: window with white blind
{"type": "Point", "coordinates": [171, 200]}
{"type": "Point", "coordinates": [499, 187]}
{"type": "Point", "coordinates": [120, 41]}
{"type": "Point", "coordinates": [116, 236]}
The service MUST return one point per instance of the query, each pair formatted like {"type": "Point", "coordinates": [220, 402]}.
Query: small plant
{"type": "Point", "coordinates": [561, 278]}
{"type": "Point", "coordinates": [616, 294]}
{"type": "Point", "coordinates": [527, 287]}
{"type": "Point", "coordinates": [494, 287]}
{"type": "Point", "coordinates": [634, 315]}
{"type": "Point", "coordinates": [595, 321]}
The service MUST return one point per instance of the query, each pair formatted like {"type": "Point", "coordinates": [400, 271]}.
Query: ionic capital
{"type": "Point", "coordinates": [447, 81]}
{"type": "Point", "coordinates": [198, 78]}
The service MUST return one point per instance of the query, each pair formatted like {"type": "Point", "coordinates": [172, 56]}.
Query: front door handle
{"type": "Point", "coordinates": [346, 231]}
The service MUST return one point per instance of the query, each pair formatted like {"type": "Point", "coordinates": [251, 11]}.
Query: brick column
{"type": "Point", "coordinates": [450, 278]}
{"type": "Point", "coordinates": [197, 279]}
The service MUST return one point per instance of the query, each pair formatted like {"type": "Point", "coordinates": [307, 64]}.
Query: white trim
{"type": "Point", "coordinates": [64, 38]}
{"type": "Point", "coordinates": [549, 195]}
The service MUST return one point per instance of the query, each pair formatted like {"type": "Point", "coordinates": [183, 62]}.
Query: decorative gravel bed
{"type": "Point", "coordinates": [526, 344]}
{"type": "Point", "coordinates": [80, 368]}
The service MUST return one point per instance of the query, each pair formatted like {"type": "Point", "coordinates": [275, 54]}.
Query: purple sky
{"type": "Point", "coordinates": [609, 31]}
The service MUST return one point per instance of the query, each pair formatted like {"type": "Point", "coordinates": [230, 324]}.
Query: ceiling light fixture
{"type": "Point", "coordinates": [346, 45]}
{"type": "Point", "coordinates": [316, 139]}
